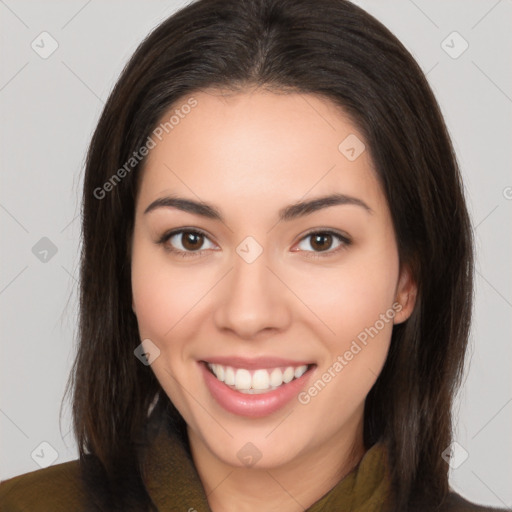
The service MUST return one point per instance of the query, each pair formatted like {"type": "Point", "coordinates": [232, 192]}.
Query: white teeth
{"type": "Point", "coordinates": [276, 377]}
{"type": "Point", "coordinates": [220, 372]}
{"type": "Point", "coordinates": [229, 376]}
{"type": "Point", "coordinates": [288, 374]}
{"type": "Point", "coordinates": [259, 381]}
{"type": "Point", "coordinates": [242, 379]}
{"type": "Point", "coordinates": [300, 371]}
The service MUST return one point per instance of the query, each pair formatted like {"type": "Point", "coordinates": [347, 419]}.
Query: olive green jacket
{"type": "Point", "coordinates": [174, 485]}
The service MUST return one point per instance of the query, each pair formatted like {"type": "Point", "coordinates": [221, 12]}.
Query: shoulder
{"type": "Point", "coordinates": [54, 488]}
{"type": "Point", "coordinates": [456, 503]}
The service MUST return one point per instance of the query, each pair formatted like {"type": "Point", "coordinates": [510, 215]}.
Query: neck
{"type": "Point", "coordinates": [290, 487]}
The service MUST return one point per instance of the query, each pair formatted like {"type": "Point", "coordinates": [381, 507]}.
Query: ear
{"type": "Point", "coordinates": [406, 294]}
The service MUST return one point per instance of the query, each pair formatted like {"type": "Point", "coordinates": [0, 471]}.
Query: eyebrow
{"type": "Point", "coordinates": [290, 212]}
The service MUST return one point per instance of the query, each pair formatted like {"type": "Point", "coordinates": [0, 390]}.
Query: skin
{"type": "Point", "coordinates": [250, 154]}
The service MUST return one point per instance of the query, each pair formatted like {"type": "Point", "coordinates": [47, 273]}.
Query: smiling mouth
{"type": "Point", "coordinates": [258, 381]}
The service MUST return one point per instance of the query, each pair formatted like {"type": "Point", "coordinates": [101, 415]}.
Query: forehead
{"type": "Point", "coordinates": [241, 145]}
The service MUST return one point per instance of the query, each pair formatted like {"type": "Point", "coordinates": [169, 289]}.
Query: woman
{"type": "Point", "coordinates": [276, 274]}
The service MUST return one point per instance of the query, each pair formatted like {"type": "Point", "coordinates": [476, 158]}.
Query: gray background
{"type": "Point", "coordinates": [49, 108]}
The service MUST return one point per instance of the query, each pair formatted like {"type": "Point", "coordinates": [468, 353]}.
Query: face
{"type": "Point", "coordinates": [271, 320]}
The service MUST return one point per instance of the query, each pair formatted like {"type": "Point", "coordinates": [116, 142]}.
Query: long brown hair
{"type": "Point", "coordinates": [327, 47]}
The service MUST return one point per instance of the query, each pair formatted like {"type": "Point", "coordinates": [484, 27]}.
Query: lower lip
{"type": "Point", "coordinates": [253, 406]}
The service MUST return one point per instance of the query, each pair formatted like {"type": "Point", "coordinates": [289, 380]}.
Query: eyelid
{"type": "Point", "coordinates": [167, 235]}
{"type": "Point", "coordinates": [327, 231]}
{"type": "Point", "coordinates": [344, 239]}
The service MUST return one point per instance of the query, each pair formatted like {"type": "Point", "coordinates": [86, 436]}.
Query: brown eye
{"type": "Point", "coordinates": [321, 241]}
{"type": "Point", "coordinates": [192, 241]}
{"type": "Point", "coordinates": [328, 242]}
{"type": "Point", "coordinates": [186, 242]}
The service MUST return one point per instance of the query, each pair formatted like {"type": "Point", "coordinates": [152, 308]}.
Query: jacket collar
{"type": "Point", "coordinates": [173, 483]}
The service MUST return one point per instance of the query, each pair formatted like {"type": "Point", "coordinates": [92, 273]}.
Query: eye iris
{"type": "Point", "coordinates": [192, 241]}
{"type": "Point", "coordinates": [319, 241]}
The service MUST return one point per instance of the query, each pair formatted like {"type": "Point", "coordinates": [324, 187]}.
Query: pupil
{"type": "Point", "coordinates": [320, 240]}
{"type": "Point", "coordinates": [191, 241]}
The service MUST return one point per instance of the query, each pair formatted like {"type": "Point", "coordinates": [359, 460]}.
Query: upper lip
{"type": "Point", "coordinates": [256, 362]}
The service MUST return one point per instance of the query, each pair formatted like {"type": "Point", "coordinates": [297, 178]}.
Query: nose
{"type": "Point", "coordinates": [252, 300]}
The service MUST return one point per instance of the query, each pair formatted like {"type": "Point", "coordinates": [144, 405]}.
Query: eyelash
{"type": "Point", "coordinates": [343, 239]}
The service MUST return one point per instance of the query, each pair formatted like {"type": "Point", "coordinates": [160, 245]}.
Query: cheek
{"type": "Point", "coordinates": [354, 301]}
{"type": "Point", "coordinates": [352, 296]}
{"type": "Point", "coordinates": [355, 352]}
{"type": "Point", "coordinates": [163, 295]}
{"type": "Point", "coordinates": [164, 300]}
